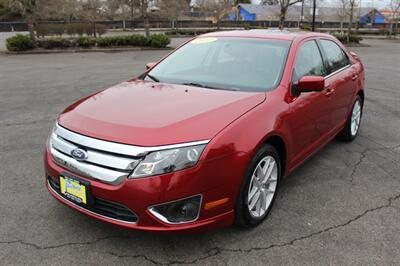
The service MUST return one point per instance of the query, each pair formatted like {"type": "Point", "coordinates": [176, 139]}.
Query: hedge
{"type": "Point", "coordinates": [156, 40]}
{"type": "Point", "coordinates": [159, 40]}
{"type": "Point", "coordinates": [189, 32]}
{"type": "Point", "coordinates": [24, 43]}
{"type": "Point", "coordinates": [19, 42]}
{"type": "Point", "coordinates": [343, 37]}
{"type": "Point", "coordinates": [85, 42]}
{"type": "Point", "coordinates": [54, 43]}
{"type": "Point", "coordinates": [72, 29]}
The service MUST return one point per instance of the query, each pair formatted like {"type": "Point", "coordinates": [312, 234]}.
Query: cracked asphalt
{"type": "Point", "coordinates": [341, 207]}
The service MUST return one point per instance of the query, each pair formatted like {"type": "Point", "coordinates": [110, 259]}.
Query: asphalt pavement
{"type": "Point", "coordinates": [341, 207]}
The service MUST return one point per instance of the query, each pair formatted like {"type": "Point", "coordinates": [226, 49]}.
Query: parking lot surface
{"type": "Point", "coordinates": [341, 207]}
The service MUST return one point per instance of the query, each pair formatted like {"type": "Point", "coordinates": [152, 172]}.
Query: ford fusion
{"type": "Point", "coordinates": [203, 138]}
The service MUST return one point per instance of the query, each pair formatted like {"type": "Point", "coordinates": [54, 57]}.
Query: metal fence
{"type": "Point", "coordinates": [118, 24]}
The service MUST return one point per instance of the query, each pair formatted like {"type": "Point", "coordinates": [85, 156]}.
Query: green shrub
{"type": "Point", "coordinates": [342, 37]}
{"type": "Point", "coordinates": [19, 42]}
{"type": "Point", "coordinates": [103, 42]}
{"type": "Point", "coordinates": [113, 41]}
{"type": "Point", "coordinates": [22, 43]}
{"type": "Point", "coordinates": [159, 40]}
{"type": "Point", "coordinates": [71, 29]}
{"type": "Point", "coordinates": [139, 40]}
{"type": "Point", "coordinates": [191, 32]}
{"type": "Point", "coordinates": [54, 43]}
{"type": "Point", "coordinates": [306, 27]}
{"type": "Point", "coordinates": [85, 42]}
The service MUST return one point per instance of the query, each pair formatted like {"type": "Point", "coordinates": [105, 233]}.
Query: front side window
{"type": "Point", "coordinates": [308, 61]}
{"type": "Point", "coordinates": [243, 64]}
{"type": "Point", "coordinates": [336, 58]}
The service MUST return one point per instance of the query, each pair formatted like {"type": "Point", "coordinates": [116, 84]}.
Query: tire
{"type": "Point", "coordinates": [256, 173]}
{"type": "Point", "coordinates": [352, 127]}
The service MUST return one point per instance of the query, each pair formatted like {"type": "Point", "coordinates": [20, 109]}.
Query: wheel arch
{"type": "Point", "coordinates": [362, 95]}
{"type": "Point", "coordinates": [279, 144]}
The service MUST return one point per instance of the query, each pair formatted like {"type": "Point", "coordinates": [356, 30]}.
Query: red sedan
{"type": "Point", "coordinates": [203, 138]}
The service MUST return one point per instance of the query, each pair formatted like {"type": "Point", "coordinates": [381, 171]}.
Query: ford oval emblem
{"type": "Point", "coordinates": [79, 154]}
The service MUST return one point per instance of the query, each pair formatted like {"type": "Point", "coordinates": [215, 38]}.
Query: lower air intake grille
{"type": "Point", "coordinates": [102, 207]}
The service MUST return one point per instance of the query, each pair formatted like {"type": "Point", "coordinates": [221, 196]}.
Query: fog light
{"type": "Point", "coordinates": [180, 211]}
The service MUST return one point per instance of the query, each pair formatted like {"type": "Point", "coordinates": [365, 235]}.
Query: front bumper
{"type": "Point", "coordinates": [210, 179]}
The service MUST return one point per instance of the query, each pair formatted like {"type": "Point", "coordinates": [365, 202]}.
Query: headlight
{"type": "Point", "coordinates": [49, 141]}
{"type": "Point", "coordinates": [166, 161]}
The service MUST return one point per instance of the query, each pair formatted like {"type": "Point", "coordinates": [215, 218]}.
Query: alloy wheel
{"type": "Point", "coordinates": [262, 187]}
{"type": "Point", "coordinates": [355, 118]}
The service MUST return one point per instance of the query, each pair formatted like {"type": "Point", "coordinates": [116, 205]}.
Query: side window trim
{"type": "Point", "coordinates": [325, 58]}
{"type": "Point", "coordinates": [337, 71]}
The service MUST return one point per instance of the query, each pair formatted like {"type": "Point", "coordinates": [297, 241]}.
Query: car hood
{"type": "Point", "coordinates": [153, 114]}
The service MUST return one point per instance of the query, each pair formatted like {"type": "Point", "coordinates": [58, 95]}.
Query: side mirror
{"type": "Point", "coordinates": [353, 54]}
{"type": "Point", "coordinates": [150, 65]}
{"type": "Point", "coordinates": [310, 83]}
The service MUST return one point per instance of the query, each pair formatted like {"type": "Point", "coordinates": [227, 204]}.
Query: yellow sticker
{"type": "Point", "coordinates": [204, 40]}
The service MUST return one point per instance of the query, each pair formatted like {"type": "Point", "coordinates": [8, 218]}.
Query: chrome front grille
{"type": "Point", "coordinates": [104, 162]}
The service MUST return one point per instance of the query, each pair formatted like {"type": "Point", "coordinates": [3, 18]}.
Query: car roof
{"type": "Point", "coordinates": [266, 34]}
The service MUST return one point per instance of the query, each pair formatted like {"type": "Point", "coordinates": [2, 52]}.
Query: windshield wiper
{"type": "Point", "coordinates": [195, 84]}
{"type": "Point", "coordinates": [152, 77]}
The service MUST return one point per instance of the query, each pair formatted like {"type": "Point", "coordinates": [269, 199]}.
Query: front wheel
{"type": "Point", "coordinates": [350, 131]}
{"type": "Point", "coordinates": [259, 187]}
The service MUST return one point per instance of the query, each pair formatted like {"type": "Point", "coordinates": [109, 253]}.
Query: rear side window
{"type": "Point", "coordinates": [308, 61]}
{"type": "Point", "coordinates": [335, 56]}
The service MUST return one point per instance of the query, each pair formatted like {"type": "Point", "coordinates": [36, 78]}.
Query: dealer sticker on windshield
{"type": "Point", "coordinates": [204, 40]}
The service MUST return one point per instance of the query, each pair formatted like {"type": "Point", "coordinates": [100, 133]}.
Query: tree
{"type": "Point", "coordinates": [33, 10]}
{"type": "Point", "coordinates": [144, 5]}
{"type": "Point", "coordinates": [173, 8]}
{"type": "Point", "coordinates": [6, 11]}
{"type": "Point", "coordinates": [351, 7]}
{"type": "Point", "coordinates": [342, 13]}
{"type": "Point", "coordinates": [70, 10]}
{"type": "Point", "coordinates": [395, 8]}
{"type": "Point", "coordinates": [218, 9]}
{"type": "Point", "coordinates": [125, 8]}
{"type": "Point", "coordinates": [92, 9]}
{"type": "Point", "coordinates": [284, 6]}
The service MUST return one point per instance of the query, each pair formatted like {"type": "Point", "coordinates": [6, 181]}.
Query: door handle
{"type": "Point", "coordinates": [354, 77]}
{"type": "Point", "coordinates": [328, 91]}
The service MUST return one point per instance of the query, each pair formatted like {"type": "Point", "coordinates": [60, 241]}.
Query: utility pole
{"type": "Point", "coordinates": [359, 15]}
{"type": "Point", "coordinates": [302, 12]}
{"type": "Point", "coordinates": [313, 14]}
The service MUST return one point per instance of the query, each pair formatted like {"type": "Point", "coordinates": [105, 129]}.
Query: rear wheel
{"type": "Point", "coordinates": [259, 187]}
{"type": "Point", "coordinates": [350, 131]}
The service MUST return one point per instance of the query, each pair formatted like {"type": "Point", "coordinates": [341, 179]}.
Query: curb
{"type": "Point", "coordinates": [357, 45]}
{"type": "Point", "coordinates": [89, 50]}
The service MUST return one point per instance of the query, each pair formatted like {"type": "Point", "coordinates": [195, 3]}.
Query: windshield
{"type": "Point", "coordinates": [225, 63]}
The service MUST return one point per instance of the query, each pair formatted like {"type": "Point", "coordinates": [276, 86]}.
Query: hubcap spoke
{"type": "Point", "coordinates": [269, 171]}
{"type": "Point", "coordinates": [264, 200]}
{"type": "Point", "coordinates": [270, 180]}
{"type": "Point", "coordinates": [253, 192]}
{"type": "Point", "coordinates": [254, 200]}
